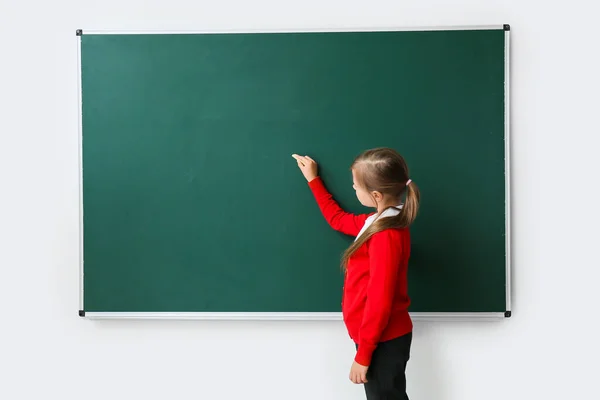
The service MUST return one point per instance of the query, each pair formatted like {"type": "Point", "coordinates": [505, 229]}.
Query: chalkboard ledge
{"type": "Point", "coordinates": [292, 316]}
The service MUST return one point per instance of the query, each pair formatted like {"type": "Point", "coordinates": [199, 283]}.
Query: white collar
{"type": "Point", "coordinates": [388, 212]}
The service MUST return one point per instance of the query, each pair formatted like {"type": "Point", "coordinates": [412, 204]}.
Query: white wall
{"type": "Point", "coordinates": [547, 350]}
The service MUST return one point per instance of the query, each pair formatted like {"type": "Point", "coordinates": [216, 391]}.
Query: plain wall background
{"type": "Point", "coordinates": [547, 350]}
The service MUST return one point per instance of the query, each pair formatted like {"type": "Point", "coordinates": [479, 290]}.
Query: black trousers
{"type": "Point", "coordinates": [386, 375]}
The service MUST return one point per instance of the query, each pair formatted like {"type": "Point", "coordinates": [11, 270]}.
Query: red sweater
{"type": "Point", "coordinates": [375, 297]}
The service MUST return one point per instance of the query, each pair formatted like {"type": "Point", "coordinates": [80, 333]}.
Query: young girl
{"type": "Point", "coordinates": [375, 298]}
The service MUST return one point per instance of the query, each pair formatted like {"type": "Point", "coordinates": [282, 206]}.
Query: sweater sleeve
{"type": "Point", "coordinates": [336, 217]}
{"type": "Point", "coordinates": [385, 255]}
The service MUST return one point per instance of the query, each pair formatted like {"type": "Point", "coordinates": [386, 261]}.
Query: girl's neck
{"type": "Point", "coordinates": [382, 206]}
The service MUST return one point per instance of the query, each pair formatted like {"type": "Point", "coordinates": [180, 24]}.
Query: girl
{"type": "Point", "coordinates": [375, 297]}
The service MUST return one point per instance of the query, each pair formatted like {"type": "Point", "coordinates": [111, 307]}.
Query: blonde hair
{"type": "Point", "coordinates": [385, 171]}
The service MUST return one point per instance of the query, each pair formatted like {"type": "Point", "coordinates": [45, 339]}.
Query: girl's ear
{"type": "Point", "coordinates": [377, 196]}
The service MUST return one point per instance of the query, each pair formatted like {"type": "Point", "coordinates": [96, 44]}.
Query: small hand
{"type": "Point", "coordinates": [358, 373]}
{"type": "Point", "coordinates": [307, 165]}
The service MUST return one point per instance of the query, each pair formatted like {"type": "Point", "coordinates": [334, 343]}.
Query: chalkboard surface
{"type": "Point", "coordinates": [192, 203]}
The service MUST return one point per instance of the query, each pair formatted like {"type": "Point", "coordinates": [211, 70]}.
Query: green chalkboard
{"type": "Point", "coordinates": [192, 203]}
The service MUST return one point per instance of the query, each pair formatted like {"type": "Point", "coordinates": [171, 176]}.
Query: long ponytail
{"type": "Point", "coordinates": [411, 205]}
{"type": "Point", "coordinates": [384, 170]}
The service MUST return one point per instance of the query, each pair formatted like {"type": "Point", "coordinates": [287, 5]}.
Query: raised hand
{"type": "Point", "coordinates": [308, 166]}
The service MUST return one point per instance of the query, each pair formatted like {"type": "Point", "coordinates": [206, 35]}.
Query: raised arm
{"type": "Point", "coordinates": [336, 217]}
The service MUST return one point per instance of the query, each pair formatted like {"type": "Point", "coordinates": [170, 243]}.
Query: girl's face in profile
{"type": "Point", "coordinates": [363, 196]}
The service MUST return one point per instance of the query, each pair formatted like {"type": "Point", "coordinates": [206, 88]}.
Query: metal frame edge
{"type": "Point", "coordinates": [507, 168]}
{"type": "Point", "coordinates": [274, 316]}
{"type": "Point", "coordinates": [80, 168]}
{"type": "Point", "coordinates": [297, 30]}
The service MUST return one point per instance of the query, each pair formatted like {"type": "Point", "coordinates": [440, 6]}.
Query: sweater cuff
{"type": "Point", "coordinates": [316, 182]}
{"type": "Point", "coordinates": [317, 186]}
{"type": "Point", "coordinates": [364, 354]}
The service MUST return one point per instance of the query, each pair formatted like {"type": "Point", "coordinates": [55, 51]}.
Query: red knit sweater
{"type": "Point", "coordinates": [375, 297]}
